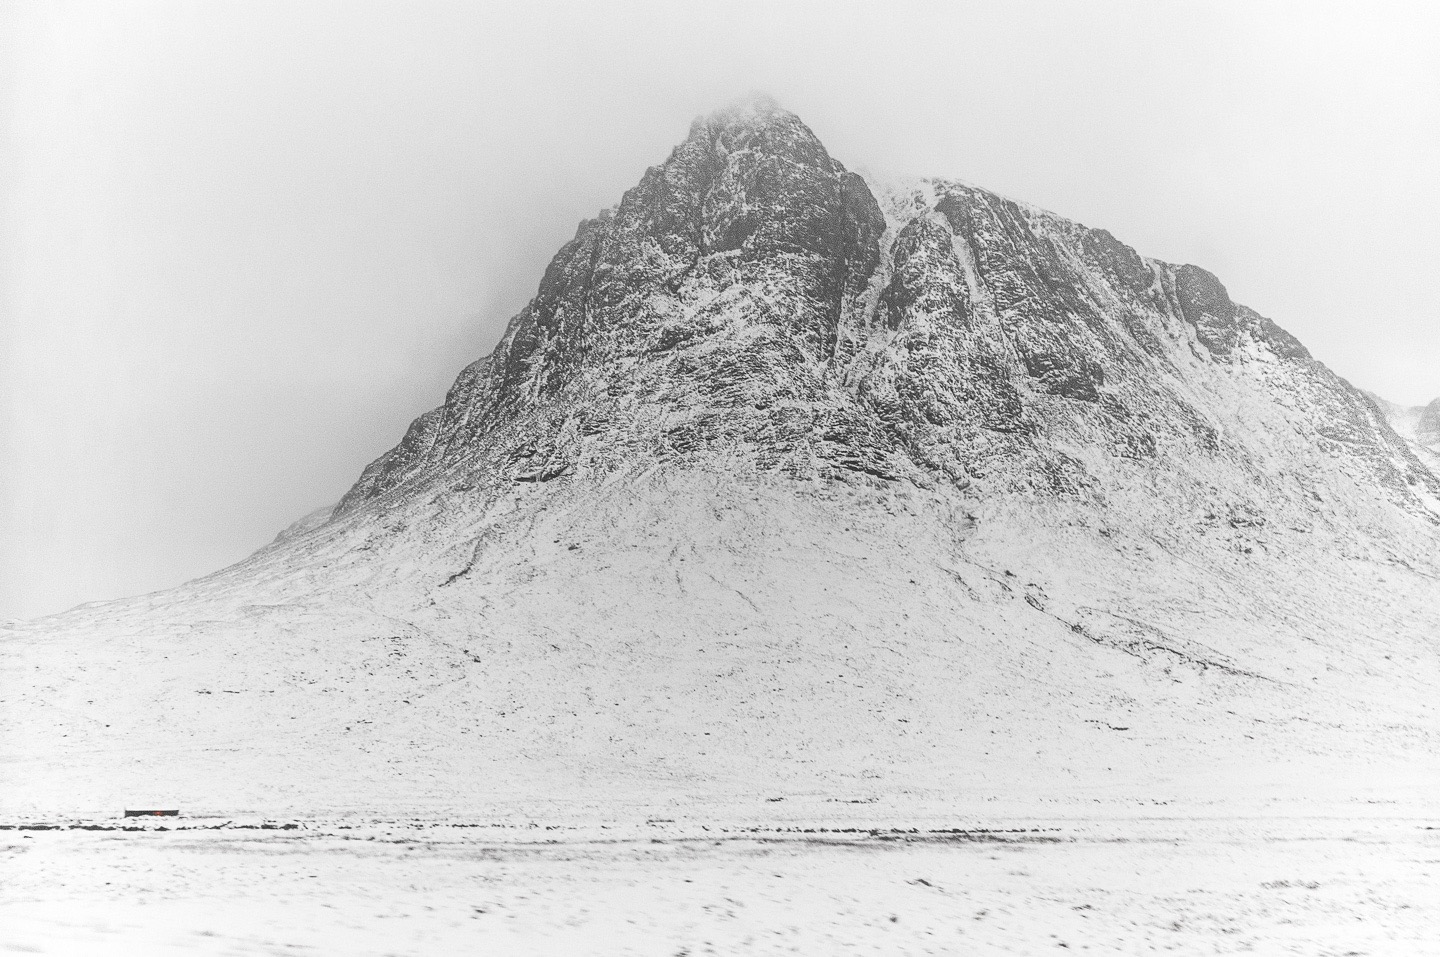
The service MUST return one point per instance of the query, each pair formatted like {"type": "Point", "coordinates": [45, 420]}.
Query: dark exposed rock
{"type": "Point", "coordinates": [1281, 342]}
{"type": "Point", "coordinates": [1206, 305]}
{"type": "Point", "coordinates": [1122, 267]}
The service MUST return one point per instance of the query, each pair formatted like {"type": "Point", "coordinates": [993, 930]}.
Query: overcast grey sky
{"type": "Point", "coordinates": [242, 244]}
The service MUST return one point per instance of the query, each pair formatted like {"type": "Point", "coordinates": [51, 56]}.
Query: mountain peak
{"type": "Point", "coordinates": [757, 124]}
{"type": "Point", "coordinates": [750, 298]}
{"type": "Point", "coordinates": [754, 108]}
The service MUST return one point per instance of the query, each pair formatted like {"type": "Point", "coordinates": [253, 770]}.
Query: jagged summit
{"type": "Point", "coordinates": [752, 298]}
{"type": "Point", "coordinates": [740, 253]}
{"type": "Point", "coordinates": [752, 110]}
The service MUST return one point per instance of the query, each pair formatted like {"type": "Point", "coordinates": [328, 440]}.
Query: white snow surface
{"type": "Point", "coordinates": [1269, 886]}
{"type": "Point", "coordinates": [690, 638]}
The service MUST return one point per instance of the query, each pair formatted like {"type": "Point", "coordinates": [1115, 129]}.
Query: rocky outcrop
{"type": "Point", "coordinates": [1206, 305]}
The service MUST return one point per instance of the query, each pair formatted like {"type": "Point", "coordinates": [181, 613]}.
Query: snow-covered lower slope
{"type": "Point", "coordinates": [687, 636]}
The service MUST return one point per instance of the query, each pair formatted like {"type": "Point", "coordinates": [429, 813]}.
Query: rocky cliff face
{"type": "Point", "coordinates": [752, 298]}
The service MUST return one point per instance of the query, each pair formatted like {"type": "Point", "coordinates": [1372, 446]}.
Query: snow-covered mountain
{"type": "Point", "coordinates": [792, 483]}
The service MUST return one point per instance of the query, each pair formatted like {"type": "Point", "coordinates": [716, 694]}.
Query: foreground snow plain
{"type": "Point", "coordinates": [1264, 884]}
